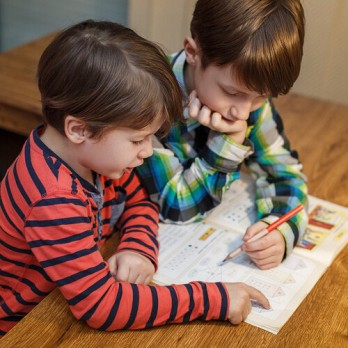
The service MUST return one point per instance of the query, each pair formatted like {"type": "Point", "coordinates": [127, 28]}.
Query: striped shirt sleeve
{"type": "Point", "coordinates": [62, 242]}
{"type": "Point", "coordinates": [138, 224]}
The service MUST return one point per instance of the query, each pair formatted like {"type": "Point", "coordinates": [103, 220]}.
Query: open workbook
{"type": "Point", "coordinates": [195, 251]}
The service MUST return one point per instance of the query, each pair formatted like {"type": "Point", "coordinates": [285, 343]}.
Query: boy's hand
{"type": "Point", "coordinates": [241, 296]}
{"type": "Point", "coordinates": [127, 266]}
{"type": "Point", "coordinates": [235, 129]}
{"type": "Point", "coordinates": [266, 252]}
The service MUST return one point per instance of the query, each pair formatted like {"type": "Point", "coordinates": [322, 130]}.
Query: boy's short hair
{"type": "Point", "coordinates": [262, 38]}
{"type": "Point", "coordinates": [108, 76]}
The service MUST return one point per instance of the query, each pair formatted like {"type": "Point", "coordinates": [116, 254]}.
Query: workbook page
{"type": "Point", "coordinates": [237, 210]}
{"type": "Point", "coordinates": [195, 252]}
{"type": "Point", "coordinates": [192, 252]}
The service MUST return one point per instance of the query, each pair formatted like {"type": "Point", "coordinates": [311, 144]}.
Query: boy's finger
{"type": "Point", "coordinates": [113, 267]}
{"type": "Point", "coordinates": [139, 279]}
{"type": "Point", "coordinates": [259, 297]}
{"type": "Point", "coordinates": [216, 120]}
{"type": "Point", "coordinates": [147, 280]}
{"type": "Point", "coordinates": [194, 107]}
{"type": "Point", "coordinates": [193, 95]}
{"type": "Point", "coordinates": [123, 274]}
{"type": "Point", "coordinates": [252, 231]}
{"type": "Point", "coordinates": [204, 116]}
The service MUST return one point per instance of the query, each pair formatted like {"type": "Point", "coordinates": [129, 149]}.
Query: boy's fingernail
{"type": "Point", "coordinates": [196, 103]}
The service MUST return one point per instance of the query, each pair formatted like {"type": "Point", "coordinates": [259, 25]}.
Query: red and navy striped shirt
{"type": "Point", "coordinates": [52, 225]}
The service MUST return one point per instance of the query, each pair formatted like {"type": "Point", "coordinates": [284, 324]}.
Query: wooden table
{"type": "Point", "coordinates": [20, 108]}
{"type": "Point", "coordinates": [319, 131]}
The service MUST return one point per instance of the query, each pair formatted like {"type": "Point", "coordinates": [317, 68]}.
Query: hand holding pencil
{"type": "Point", "coordinates": [266, 231]}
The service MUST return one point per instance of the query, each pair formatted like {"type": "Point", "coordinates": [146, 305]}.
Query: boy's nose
{"type": "Point", "coordinates": [242, 110]}
{"type": "Point", "coordinates": [147, 151]}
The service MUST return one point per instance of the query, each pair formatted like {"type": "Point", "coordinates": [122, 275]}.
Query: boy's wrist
{"type": "Point", "coordinates": [224, 154]}
{"type": "Point", "coordinates": [238, 138]}
{"type": "Point", "coordinates": [246, 145]}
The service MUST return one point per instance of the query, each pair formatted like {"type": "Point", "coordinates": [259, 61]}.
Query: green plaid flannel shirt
{"type": "Point", "coordinates": [189, 175]}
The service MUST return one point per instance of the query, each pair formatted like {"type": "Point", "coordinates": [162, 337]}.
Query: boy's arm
{"type": "Point", "coordinates": [66, 250]}
{"type": "Point", "coordinates": [280, 184]}
{"type": "Point", "coordinates": [138, 224]}
{"type": "Point", "coordinates": [189, 179]}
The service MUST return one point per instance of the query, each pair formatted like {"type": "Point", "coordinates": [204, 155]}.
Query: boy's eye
{"type": "Point", "coordinates": [231, 94]}
{"type": "Point", "coordinates": [138, 142]}
{"type": "Point", "coordinates": [262, 97]}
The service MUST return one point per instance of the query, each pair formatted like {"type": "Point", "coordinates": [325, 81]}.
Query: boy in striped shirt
{"type": "Point", "coordinates": [105, 91]}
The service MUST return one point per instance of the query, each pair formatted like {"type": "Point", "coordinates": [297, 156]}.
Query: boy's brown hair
{"type": "Point", "coordinates": [262, 38]}
{"type": "Point", "coordinates": [107, 75]}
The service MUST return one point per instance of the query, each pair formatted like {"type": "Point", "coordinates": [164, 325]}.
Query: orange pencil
{"type": "Point", "coordinates": [268, 229]}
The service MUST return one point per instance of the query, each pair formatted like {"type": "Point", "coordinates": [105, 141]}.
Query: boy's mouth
{"type": "Point", "coordinates": [230, 118]}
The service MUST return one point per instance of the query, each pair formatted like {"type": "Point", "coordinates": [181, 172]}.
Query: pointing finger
{"type": "Point", "coordinates": [259, 297]}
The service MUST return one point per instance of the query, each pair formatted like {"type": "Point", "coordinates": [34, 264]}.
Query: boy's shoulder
{"type": "Point", "coordinates": [38, 173]}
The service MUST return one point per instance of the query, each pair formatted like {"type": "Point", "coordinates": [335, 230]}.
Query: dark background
{"type": "Point", "coordinates": [10, 146]}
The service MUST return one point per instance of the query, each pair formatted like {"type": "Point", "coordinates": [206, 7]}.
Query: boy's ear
{"type": "Point", "coordinates": [75, 129]}
{"type": "Point", "coordinates": [191, 50]}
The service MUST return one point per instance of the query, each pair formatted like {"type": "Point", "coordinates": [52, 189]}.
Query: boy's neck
{"type": "Point", "coordinates": [66, 150]}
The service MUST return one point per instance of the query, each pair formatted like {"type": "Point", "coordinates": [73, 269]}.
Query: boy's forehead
{"type": "Point", "coordinates": [231, 79]}
{"type": "Point", "coordinates": [154, 126]}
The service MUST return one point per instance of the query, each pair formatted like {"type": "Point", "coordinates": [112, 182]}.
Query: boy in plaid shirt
{"type": "Point", "coordinates": [241, 53]}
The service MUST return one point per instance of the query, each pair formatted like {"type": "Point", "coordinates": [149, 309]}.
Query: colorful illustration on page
{"type": "Point", "coordinates": [322, 221]}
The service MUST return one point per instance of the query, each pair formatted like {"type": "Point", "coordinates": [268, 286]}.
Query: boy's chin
{"type": "Point", "coordinates": [114, 175]}
{"type": "Point", "coordinates": [117, 175]}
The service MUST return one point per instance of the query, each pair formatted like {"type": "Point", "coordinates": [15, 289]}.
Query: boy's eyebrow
{"type": "Point", "coordinates": [228, 87]}
{"type": "Point", "coordinates": [146, 132]}
{"type": "Point", "coordinates": [232, 89]}
{"type": "Point", "coordinates": [142, 134]}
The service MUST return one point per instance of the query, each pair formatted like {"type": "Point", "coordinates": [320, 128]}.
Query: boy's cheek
{"type": "Point", "coordinates": [257, 105]}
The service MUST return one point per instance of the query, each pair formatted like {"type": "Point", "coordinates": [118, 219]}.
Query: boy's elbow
{"type": "Point", "coordinates": [98, 321]}
{"type": "Point", "coordinates": [102, 325]}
